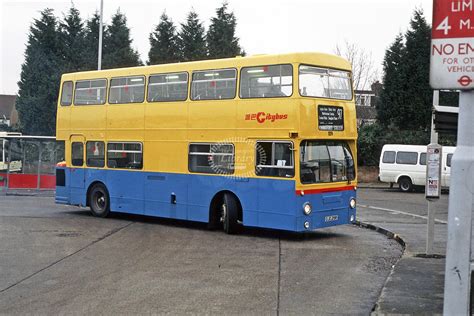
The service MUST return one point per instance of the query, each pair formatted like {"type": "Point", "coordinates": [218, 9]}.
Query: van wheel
{"type": "Point", "coordinates": [99, 201]}
{"type": "Point", "coordinates": [229, 214]}
{"type": "Point", "coordinates": [405, 184]}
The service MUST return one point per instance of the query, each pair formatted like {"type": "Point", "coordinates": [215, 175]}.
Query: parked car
{"type": "Point", "coordinates": [406, 165]}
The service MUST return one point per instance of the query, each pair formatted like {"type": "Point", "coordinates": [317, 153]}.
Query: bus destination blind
{"type": "Point", "coordinates": [330, 118]}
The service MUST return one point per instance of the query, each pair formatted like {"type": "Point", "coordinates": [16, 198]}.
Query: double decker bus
{"type": "Point", "coordinates": [265, 141]}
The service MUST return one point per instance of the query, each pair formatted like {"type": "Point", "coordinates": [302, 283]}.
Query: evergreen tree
{"type": "Point", "coordinates": [192, 39]}
{"type": "Point", "coordinates": [415, 67]}
{"type": "Point", "coordinates": [73, 41]}
{"type": "Point", "coordinates": [164, 43]}
{"type": "Point", "coordinates": [406, 98]}
{"type": "Point", "coordinates": [390, 96]}
{"type": "Point", "coordinates": [221, 40]}
{"type": "Point", "coordinates": [92, 41]}
{"type": "Point", "coordinates": [117, 51]}
{"type": "Point", "coordinates": [40, 77]}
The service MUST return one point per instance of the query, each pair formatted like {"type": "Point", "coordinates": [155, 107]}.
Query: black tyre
{"type": "Point", "coordinates": [99, 201]}
{"type": "Point", "coordinates": [229, 214]}
{"type": "Point", "coordinates": [405, 184]}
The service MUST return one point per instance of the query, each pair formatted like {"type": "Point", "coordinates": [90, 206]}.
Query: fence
{"type": "Point", "coordinates": [29, 162]}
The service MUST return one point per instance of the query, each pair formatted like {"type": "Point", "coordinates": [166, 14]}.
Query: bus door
{"type": "Point", "coordinates": [77, 171]}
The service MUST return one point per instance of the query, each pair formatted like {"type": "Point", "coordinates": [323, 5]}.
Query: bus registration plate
{"type": "Point", "coordinates": [331, 218]}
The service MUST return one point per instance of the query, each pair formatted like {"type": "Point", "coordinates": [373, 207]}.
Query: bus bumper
{"type": "Point", "coordinates": [328, 209]}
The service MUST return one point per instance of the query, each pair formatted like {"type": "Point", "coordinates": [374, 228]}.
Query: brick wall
{"type": "Point", "coordinates": [368, 174]}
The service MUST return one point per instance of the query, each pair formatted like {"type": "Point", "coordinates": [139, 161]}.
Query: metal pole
{"type": "Point", "coordinates": [8, 164]}
{"type": "Point", "coordinates": [101, 27]}
{"type": "Point", "coordinates": [38, 183]}
{"type": "Point", "coordinates": [458, 251]}
{"type": "Point", "coordinates": [434, 135]}
{"type": "Point", "coordinates": [431, 209]}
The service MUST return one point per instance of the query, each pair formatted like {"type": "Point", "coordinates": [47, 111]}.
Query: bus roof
{"type": "Point", "coordinates": [417, 148]}
{"type": "Point", "coordinates": [310, 58]}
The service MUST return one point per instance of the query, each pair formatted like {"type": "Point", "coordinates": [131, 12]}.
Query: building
{"type": "Point", "coordinates": [365, 101]}
{"type": "Point", "coordinates": [8, 113]}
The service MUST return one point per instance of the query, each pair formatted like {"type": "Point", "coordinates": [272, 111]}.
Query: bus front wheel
{"type": "Point", "coordinates": [405, 184]}
{"type": "Point", "coordinates": [229, 214]}
{"type": "Point", "coordinates": [99, 201]}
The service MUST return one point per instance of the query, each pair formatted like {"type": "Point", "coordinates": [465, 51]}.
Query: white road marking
{"type": "Point", "coordinates": [400, 212]}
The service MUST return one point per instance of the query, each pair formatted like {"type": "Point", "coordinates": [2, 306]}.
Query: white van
{"type": "Point", "coordinates": [406, 165]}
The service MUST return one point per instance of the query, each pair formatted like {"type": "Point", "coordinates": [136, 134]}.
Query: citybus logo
{"type": "Point", "coordinates": [262, 117]}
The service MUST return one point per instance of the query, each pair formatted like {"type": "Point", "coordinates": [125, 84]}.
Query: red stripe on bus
{"type": "Point", "coordinates": [325, 190]}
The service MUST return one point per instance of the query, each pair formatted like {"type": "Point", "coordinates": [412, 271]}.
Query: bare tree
{"type": "Point", "coordinates": [364, 72]}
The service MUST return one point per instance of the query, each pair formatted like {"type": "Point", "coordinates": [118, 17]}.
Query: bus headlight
{"type": "Point", "coordinates": [306, 225]}
{"type": "Point", "coordinates": [352, 203]}
{"type": "Point", "coordinates": [307, 208]}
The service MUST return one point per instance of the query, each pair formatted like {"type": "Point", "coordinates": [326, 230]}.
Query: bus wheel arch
{"type": "Point", "coordinates": [225, 202]}
{"type": "Point", "coordinates": [98, 199]}
{"type": "Point", "coordinates": [405, 183]}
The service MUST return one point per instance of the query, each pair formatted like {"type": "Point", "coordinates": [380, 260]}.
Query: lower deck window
{"type": "Point", "coordinates": [125, 155]}
{"type": "Point", "coordinates": [213, 158]}
{"type": "Point", "coordinates": [274, 159]}
{"type": "Point", "coordinates": [77, 154]}
{"type": "Point", "coordinates": [95, 154]}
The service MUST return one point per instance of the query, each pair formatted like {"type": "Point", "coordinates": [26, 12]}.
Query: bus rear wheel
{"type": "Point", "coordinates": [99, 201]}
{"type": "Point", "coordinates": [405, 184]}
{"type": "Point", "coordinates": [229, 214]}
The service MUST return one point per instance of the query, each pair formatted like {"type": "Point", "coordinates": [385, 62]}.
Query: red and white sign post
{"type": "Point", "coordinates": [452, 67]}
{"type": "Point", "coordinates": [452, 45]}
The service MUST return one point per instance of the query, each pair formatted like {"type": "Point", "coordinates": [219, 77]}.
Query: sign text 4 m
{"type": "Point", "coordinates": [452, 45]}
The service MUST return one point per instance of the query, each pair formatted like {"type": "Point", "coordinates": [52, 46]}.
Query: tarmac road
{"type": "Point", "coordinates": [412, 203]}
{"type": "Point", "coordinates": [59, 259]}
{"type": "Point", "coordinates": [416, 285]}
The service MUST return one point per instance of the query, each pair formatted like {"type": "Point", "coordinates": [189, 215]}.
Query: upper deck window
{"type": "Point", "coordinates": [168, 87]}
{"type": "Point", "coordinates": [324, 83]}
{"type": "Point", "coordinates": [127, 90]}
{"type": "Point", "coordinates": [66, 93]}
{"type": "Point", "coordinates": [266, 81]}
{"type": "Point", "coordinates": [214, 84]}
{"type": "Point", "coordinates": [90, 92]}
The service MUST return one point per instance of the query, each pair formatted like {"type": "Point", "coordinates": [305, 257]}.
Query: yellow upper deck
{"type": "Point", "coordinates": [208, 119]}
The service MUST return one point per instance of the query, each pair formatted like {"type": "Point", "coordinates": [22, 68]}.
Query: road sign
{"type": "Point", "coordinates": [452, 45]}
{"type": "Point", "coordinates": [433, 171]}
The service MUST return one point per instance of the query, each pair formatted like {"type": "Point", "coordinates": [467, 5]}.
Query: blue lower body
{"type": "Point", "coordinates": [266, 203]}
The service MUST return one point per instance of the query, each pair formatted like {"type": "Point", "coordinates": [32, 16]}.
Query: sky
{"type": "Point", "coordinates": [263, 26]}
